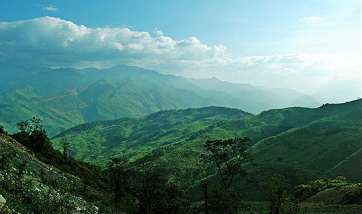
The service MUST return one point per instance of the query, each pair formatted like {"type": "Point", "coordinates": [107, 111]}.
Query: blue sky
{"type": "Point", "coordinates": [313, 46]}
{"type": "Point", "coordinates": [245, 27]}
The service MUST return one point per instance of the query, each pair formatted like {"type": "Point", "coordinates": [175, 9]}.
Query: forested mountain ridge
{"type": "Point", "coordinates": [301, 143]}
{"type": "Point", "coordinates": [66, 97]}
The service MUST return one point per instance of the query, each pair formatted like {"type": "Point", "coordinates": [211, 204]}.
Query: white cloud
{"type": "Point", "coordinates": [50, 8]}
{"type": "Point", "coordinates": [310, 19]}
{"type": "Point", "coordinates": [54, 42]}
{"type": "Point", "coordinates": [158, 32]}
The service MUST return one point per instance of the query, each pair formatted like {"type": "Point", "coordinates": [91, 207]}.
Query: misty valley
{"type": "Point", "coordinates": [130, 140]}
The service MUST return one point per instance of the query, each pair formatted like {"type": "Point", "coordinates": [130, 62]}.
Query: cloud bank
{"type": "Point", "coordinates": [54, 42]}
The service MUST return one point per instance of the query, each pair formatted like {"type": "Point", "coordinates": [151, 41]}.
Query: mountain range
{"type": "Point", "coordinates": [129, 112]}
{"type": "Point", "coordinates": [65, 97]}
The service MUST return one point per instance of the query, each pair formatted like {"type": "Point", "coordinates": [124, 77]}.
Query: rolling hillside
{"type": "Point", "coordinates": [66, 97]}
{"type": "Point", "coordinates": [134, 137]}
{"type": "Point", "coordinates": [302, 144]}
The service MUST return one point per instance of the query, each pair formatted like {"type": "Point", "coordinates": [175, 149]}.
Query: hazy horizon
{"type": "Point", "coordinates": [309, 46]}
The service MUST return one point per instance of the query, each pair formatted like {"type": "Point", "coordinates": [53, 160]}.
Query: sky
{"type": "Point", "coordinates": [312, 46]}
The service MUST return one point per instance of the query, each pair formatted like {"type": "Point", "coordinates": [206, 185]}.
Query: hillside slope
{"type": "Point", "coordinates": [134, 137]}
{"type": "Point", "coordinates": [29, 185]}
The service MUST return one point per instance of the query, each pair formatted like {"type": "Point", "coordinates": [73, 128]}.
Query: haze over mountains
{"type": "Point", "coordinates": [66, 97]}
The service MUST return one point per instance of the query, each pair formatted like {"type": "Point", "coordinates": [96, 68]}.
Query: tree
{"type": "Point", "coordinates": [65, 145]}
{"type": "Point", "coordinates": [39, 141]}
{"type": "Point", "coordinates": [36, 123]}
{"type": "Point", "coordinates": [205, 190]}
{"type": "Point", "coordinates": [154, 192]}
{"type": "Point", "coordinates": [24, 126]}
{"type": "Point", "coordinates": [119, 175]}
{"type": "Point", "coordinates": [149, 178]}
{"type": "Point", "coordinates": [24, 131]}
{"type": "Point", "coordinates": [28, 127]}
{"type": "Point", "coordinates": [228, 156]}
{"type": "Point", "coordinates": [33, 136]}
{"type": "Point", "coordinates": [221, 201]}
{"type": "Point", "coordinates": [276, 190]}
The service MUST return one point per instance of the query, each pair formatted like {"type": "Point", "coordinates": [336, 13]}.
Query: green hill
{"type": "Point", "coordinates": [134, 137]}
{"type": "Point", "coordinates": [300, 143]}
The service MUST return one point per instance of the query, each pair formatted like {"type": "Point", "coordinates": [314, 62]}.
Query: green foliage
{"type": "Point", "coordinates": [39, 141]}
{"type": "Point", "coordinates": [65, 144]}
{"type": "Point", "coordinates": [228, 156]}
{"type": "Point", "coordinates": [224, 201]}
{"type": "Point", "coordinates": [28, 127]}
{"type": "Point", "coordinates": [276, 188]}
{"type": "Point", "coordinates": [326, 190]}
{"type": "Point", "coordinates": [34, 137]}
{"type": "Point", "coordinates": [155, 194]}
{"type": "Point", "coordinates": [24, 126]}
{"type": "Point", "coordinates": [5, 163]}
{"type": "Point", "coordinates": [353, 193]}
{"type": "Point", "coordinates": [119, 171]}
